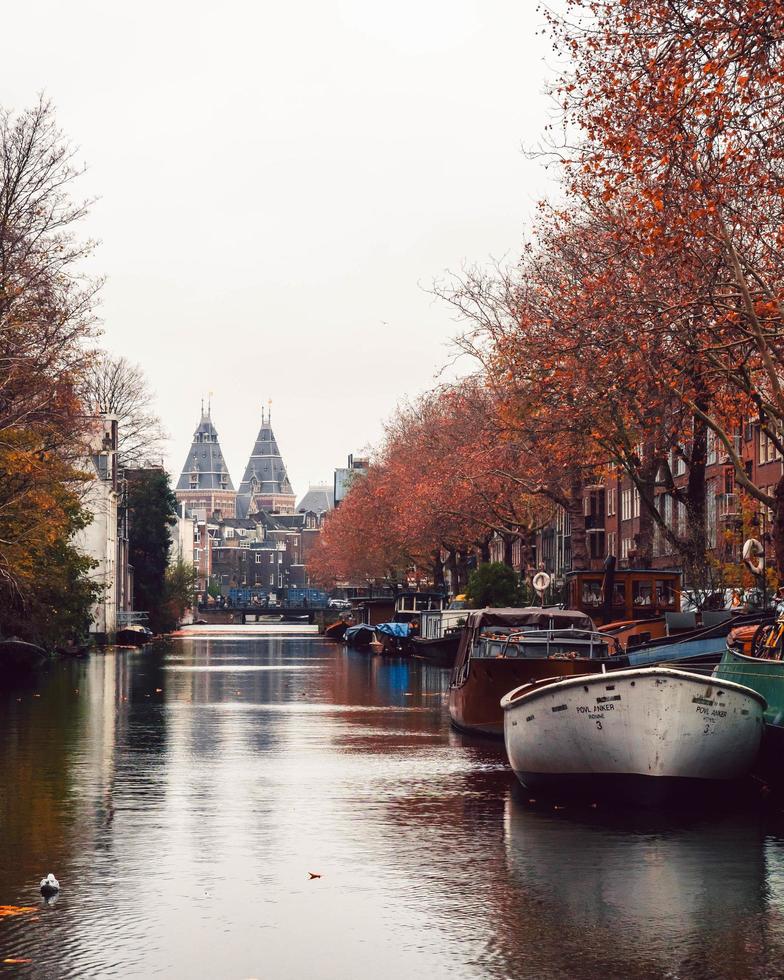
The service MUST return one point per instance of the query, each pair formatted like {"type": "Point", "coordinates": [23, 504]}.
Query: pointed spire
{"type": "Point", "coordinates": [271, 489]}
{"type": "Point", "coordinates": [205, 468]}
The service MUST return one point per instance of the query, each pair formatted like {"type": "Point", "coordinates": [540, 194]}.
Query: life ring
{"type": "Point", "coordinates": [541, 581]}
{"type": "Point", "coordinates": [752, 556]}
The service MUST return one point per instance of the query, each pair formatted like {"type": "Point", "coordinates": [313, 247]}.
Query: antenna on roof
{"type": "Point", "coordinates": [269, 411]}
{"type": "Point", "coordinates": [202, 408]}
{"type": "Point", "coordinates": [209, 404]}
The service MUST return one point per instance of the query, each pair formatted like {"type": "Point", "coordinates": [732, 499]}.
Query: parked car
{"type": "Point", "coordinates": [339, 604]}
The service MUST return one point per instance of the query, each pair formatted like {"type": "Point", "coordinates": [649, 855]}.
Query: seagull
{"type": "Point", "coordinates": [313, 875]}
{"type": "Point", "coordinates": [49, 885]}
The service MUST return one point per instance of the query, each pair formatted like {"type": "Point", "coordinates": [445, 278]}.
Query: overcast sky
{"type": "Point", "coordinates": [279, 184]}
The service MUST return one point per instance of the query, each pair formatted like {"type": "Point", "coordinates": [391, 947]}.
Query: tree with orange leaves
{"type": "Point", "coordinates": [678, 111]}
{"type": "Point", "coordinates": [441, 484]}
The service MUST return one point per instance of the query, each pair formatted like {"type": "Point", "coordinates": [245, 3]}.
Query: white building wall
{"type": "Point", "coordinates": [99, 541]}
{"type": "Point", "coordinates": [182, 535]}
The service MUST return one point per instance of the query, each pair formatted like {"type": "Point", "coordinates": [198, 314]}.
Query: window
{"type": "Point", "coordinates": [680, 518]}
{"type": "Point", "coordinates": [635, 503]}
{"type": "Point", "coordinates": [228, 532]}
{"type": "Point", "coordinates": [767, 450]}
{"type": "Point", "coordinates": [642, 594]}
{"type": "Point", "coordinates": [626, 505]}
{"type": "Point", "coordinates": [626, 547]}
{"type": "Point", "coordinates": [665, 594]}
{"type": "Point", "coordinates": [259, 558]}
{"type": "Point", "coordinates": [611, 543]}
{"type": "Point", "coordinates": [596, 545]}
{"type": "Point", "coordinates": [272, 559]}
{"type": "Point", "coordinates": [592, 593]}
{"type": "Point", "coordinates": [712, 454]}
{"type": "Point", "coordinates": [611, 501]}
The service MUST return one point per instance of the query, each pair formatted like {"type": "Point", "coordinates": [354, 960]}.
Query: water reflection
{"type": "Point", "coordinates": [182, 796]}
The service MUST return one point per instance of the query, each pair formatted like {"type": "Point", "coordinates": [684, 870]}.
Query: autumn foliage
{"type": "Point", "coordinates": [643, 321]}
{"type": "Point", "coordinates": [45, 326]}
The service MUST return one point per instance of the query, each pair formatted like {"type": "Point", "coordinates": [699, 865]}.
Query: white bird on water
{"type": "Point", "coordinates": [49, 885]}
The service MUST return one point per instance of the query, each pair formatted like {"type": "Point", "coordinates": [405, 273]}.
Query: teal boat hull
{"type": "Point", "coordinates": [766, 677]}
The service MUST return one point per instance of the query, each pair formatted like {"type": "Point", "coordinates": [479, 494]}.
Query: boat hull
{"type": "Point", "coordinates": [475, 704]}
{"type": "Point", "coordinates": [767, 678]}
{"type": "Point", "coordinates": [20, 657]}
{"type": "Point", "coordinates": [336, 631]}
{"type": "Point", "coordinates": [440, 651]}
{"type": "Point", "coordinates": [650, 731]}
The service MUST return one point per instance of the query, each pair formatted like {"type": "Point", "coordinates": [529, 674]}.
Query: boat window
{"type": "Point", "coordinates": [665, 593]}
{"type": "Point", "coordinates": [619, 595]}
{"type": "Point", "coordinates": [592, 593]}
{"type": "Point", "coordinates": [642, 594]}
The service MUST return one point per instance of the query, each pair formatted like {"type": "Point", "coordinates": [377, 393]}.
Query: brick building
{"type": "Point", "coordinates": [612, 510]}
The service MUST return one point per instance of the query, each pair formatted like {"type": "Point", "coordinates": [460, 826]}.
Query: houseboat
{"type": "Point", "coordinates": [754, 656]}
{"type": "Point", "coordinates": [439, 633]}
{"type": "Point", "coordinates": [648, 733]}
{"type": "Point", "coordinates": [501, 649]}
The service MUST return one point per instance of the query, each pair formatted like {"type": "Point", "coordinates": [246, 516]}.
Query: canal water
{"type": "Point", "coordinates": [183, 797]}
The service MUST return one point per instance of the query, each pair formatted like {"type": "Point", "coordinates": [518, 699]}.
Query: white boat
{"type": "Point", "coordinates": [645, 732]}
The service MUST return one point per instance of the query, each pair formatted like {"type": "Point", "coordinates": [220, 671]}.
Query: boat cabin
{"type": "Point", "coordinates": [531, 633]}
{"type": "Point", "coordinates": [409, 605]}
{"type": "Point", "coordinates": [624, 593]}
{"type": "Point", "coordinates": [371, 612]}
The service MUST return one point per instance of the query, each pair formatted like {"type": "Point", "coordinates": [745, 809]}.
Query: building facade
{"type": "Point", "coordinates": [612, 510]}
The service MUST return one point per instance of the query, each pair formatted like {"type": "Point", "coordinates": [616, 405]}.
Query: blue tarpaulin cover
{"type": "Point", "coordinates": [393, 629]}
{"type": "Point", "coordinates": [360, 633]}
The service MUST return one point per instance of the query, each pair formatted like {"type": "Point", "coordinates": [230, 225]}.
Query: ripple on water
{"type": "Point", "coordinates": [183, 831]}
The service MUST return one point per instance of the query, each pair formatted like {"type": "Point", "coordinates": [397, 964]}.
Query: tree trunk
{"type": "Point", "coordinates": [647, 492]}
{"type": "Point", "coordinates": [508, 542]}
{"type": "Point", "coordinates": [462, 571]}
{"type": "Point", "coordinates": [438, 570]}
{"type": "Point", "coordinates": [696, 537]}
{"type": "Point", "coordinates": [579, 536]}
{"type": "Point", "coordinates": [451, 566]}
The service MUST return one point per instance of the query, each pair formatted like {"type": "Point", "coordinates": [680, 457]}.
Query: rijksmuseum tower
{"type": "Point", "coordinates": [205, 484]}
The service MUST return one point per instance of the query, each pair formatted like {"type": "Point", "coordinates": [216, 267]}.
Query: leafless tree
{"type": "Point", "coordinates": [115, 386]}
{"type": "Point", "coordinates": [46, 302]}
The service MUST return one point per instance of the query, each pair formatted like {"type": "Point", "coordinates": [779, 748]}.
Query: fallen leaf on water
{"type": "Point", "coordinates": [16, 959]}
{"type": "Point", "coordinates": [9, 910]}
{"type": "Point", "coordinates": [313, 875]}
